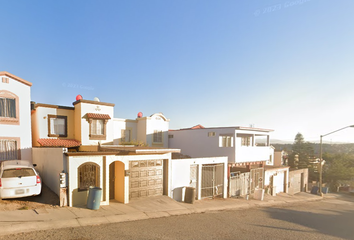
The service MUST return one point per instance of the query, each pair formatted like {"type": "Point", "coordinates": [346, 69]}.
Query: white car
{"type": "Point", "coordinates": [18, 178]}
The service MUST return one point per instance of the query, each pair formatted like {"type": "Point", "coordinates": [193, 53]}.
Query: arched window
{"type": "Point", "coordinates": [89, 175]}
{"type": "Point", "coordinates": [9, 108]}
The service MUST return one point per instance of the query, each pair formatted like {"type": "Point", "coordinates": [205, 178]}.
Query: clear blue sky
{"type": "Point", "coordinates": [283, 65]}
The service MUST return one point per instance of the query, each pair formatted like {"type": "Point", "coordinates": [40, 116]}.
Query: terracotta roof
{"type": "Point", "coordinates": [98, 116]}
{"type": "Point", "coordinates": [48, 142]}
{"type": "Point", "coordinates": [197, 127]}
{"type": "Point", "coordinates": [7, 74]}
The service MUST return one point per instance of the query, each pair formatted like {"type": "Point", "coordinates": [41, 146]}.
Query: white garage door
{"type": "Point", "coordinates": [146, 178]}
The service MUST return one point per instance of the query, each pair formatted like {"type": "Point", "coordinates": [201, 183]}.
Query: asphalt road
{"type": "Point", "coordinates": [327, 219]}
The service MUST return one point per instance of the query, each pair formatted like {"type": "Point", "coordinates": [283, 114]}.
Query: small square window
{"type": "Point", "coordinates": [57, 126]}
{"type": "Point", "coordinates": [211, 134]}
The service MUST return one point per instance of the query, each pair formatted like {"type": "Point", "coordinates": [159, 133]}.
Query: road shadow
{"type": "Point", "coordinates": [331, 222]}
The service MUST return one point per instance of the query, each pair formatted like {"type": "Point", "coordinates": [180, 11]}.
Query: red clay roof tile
{"type": "Point", "coordinates": [98, 116]}
{"type": "Point", "coordinates": [49, 142]}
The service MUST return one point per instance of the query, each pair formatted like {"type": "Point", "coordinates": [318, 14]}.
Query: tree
{"type": "Point", "coordinates": [301, 153]}
{"type": "Point", "coordinates": [338, 168]}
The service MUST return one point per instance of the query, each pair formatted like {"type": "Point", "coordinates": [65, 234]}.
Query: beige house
{"type": "Point", "coordinates": [83, 142]}
{"type": "Point", "coordinates": [15, 117]}
{"type": "Point", "coordinates": [152, 130]}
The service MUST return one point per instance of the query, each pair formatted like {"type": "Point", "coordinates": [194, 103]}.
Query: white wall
{"type": "Point", "coordinates": [120, 124]}
{"type": "Point", "coordinates": [73, 164]}
{"type": "Point", "coordinates": [181, 175]}
{"type": "Point", "coordinates": [146, 127]}
{"type": "Point", "coordinates": [23, 130]}
{"type": "Point", "coordinates": [253, 154]}
{"type": "Point", "coordinates": [157, 122]}
{"type": "Point", "coordinates": [196, 143]}
{"type": "Point", "coordinates": [104, 161]}
{"type": "Point", "coordinates": [98, 108]}
{"type": "Point", "coordinates": [279, 175]}
{"type": "Point", "coordinates": [50, 162]}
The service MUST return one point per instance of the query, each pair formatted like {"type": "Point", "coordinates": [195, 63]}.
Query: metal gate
{"type": "Point", "coordinates": [256, 179]}
{"type": "Point", "coordinates": [239, 184]}
{"type": "Point", "coordinates": [212, 180]}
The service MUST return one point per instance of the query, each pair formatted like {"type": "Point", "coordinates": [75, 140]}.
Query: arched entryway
{"type": "Point", "coordinates": [116, 181]}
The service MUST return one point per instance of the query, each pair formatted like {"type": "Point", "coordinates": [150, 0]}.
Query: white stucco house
{"type": "Point", "coordinates": [15, 117]}
{"type": "Point", "coordinates": [244, 146]}
{"type": "Point", "coordinates": [83, 141]}
{"type": "Point", "coordinates": [208, 176]}
{"type": "Point", "coordinates": [248, 149]}
{"type": "Point", "coordinates": [152, 130]}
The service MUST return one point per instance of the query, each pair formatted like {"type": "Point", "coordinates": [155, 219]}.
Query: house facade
{"type": "Point", "coordinates": [242, 145]}
{"type": "Point", "coordinates": [83, 142]}
{"type": "Point", "coordinates": [152, 130]}
{"type": "Point", "coordinates": [208, 176]}
{"type": "Point", "coordinates": [15, 118]}
{"type": "Point", "coordinates": [248, 151]}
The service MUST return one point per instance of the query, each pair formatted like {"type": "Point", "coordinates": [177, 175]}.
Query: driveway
{"type": "Point", "coordinates": [47, 199]}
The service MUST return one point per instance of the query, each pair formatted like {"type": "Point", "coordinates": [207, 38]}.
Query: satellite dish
{"type": "Point", "coordinates": [96, 99]}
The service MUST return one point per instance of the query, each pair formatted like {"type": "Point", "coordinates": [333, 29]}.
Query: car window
{"type": "Point", "coordinates": [18, 172]}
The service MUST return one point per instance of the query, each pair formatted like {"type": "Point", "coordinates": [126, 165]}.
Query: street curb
{"type": "Point", "coordinates": [22, 227]}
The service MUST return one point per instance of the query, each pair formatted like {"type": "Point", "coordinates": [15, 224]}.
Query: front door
{"type": "Point", "coordinates": [111, 180]}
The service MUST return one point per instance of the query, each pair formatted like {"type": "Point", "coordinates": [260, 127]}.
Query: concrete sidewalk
{"type": "Point", "coordinates": [145, 208]}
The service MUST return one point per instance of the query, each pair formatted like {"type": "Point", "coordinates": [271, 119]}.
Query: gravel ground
{"type": "Point", "coordinates": [47, 199]}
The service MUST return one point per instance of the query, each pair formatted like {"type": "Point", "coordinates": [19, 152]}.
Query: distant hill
{"type": "Point", "coordinates": [326, 148]}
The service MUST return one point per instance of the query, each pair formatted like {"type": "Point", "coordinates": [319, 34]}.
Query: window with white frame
{"type": "Point", "coordinates": [226, 141]}
{"type": "Point", "coordinates": [8, 149]}
{"type": "Point", "coordinates": [57, 126]}
{"type": "Point", "coordinates": [157, 137]}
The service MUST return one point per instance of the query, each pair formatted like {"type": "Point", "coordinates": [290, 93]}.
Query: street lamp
{"type": "Point", "coordinates": [320, 187]}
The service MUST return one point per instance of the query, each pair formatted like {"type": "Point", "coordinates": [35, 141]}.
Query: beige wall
{"type": "Point", "coordinates": [294, 179]}
{"type": "Point", "coordinates": [50, 162]}
{"type": "Point", "coordinates": [40, 122]}
{"type": "Point", "coordinates": [77, 122]}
